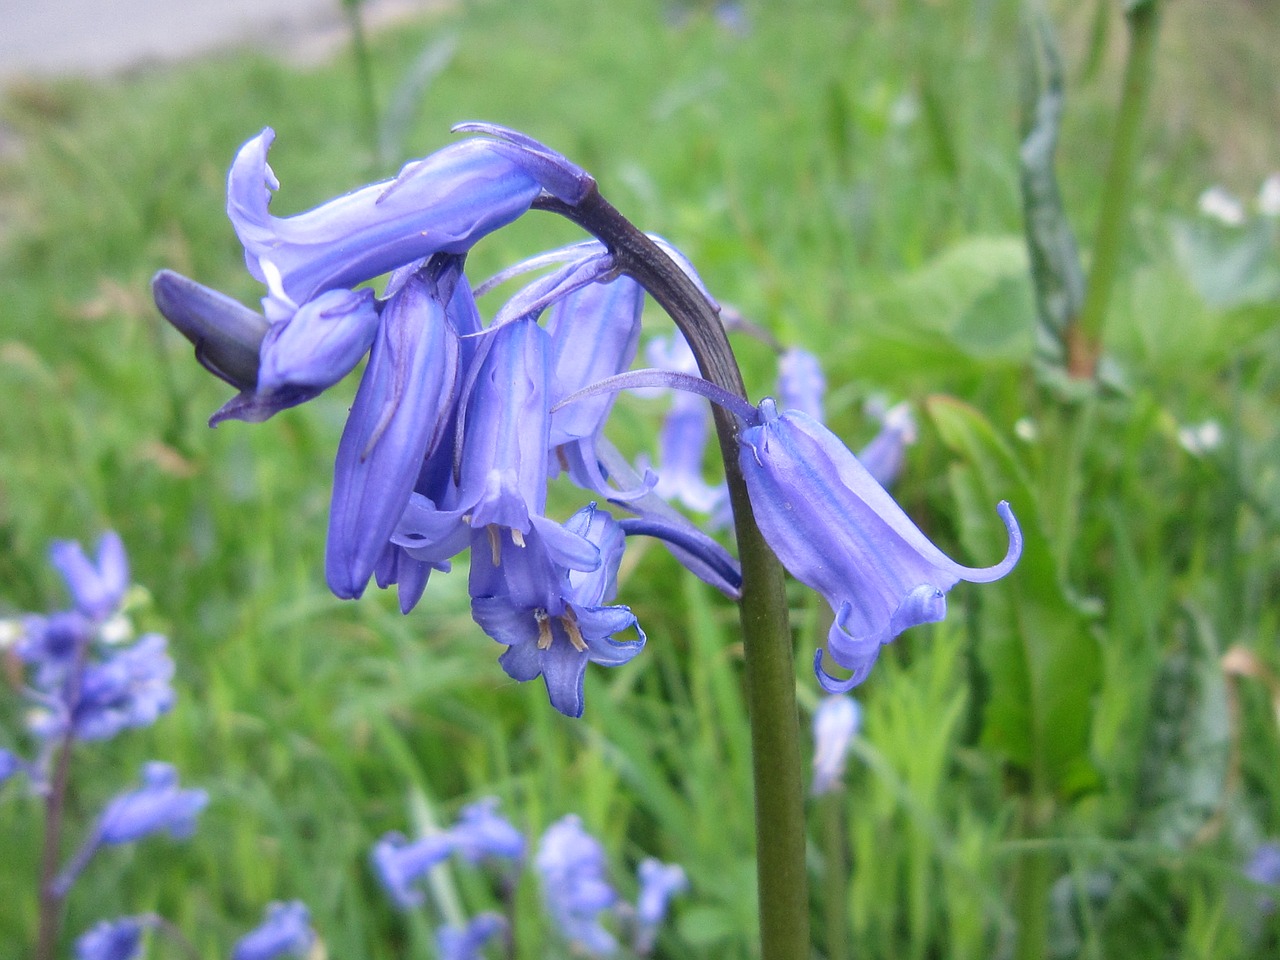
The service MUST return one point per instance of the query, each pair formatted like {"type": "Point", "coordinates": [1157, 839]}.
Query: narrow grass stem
{"type": "Point", "coordinates": [364, 73]}
{"type": "Point", "coordinates": [1033, 878]}
{"type": "Point", "coordinates": [1084, 338]}
{"type": "Point", "coordinates": [835, 875]}
{"type": "Point", "coordinates": [769, 652]}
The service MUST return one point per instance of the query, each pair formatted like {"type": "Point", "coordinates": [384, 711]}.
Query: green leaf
{"type": "Point", "coordinates": [1229, 266]}
{"type": "Point", "coordinates": [1187, 756]}
{"type": "Point", "coordinates": [1051, 243]}
{"type": "Point", "coordinates": [973, 297]}
{"type": "Point", "coordinates": [1034, 641]}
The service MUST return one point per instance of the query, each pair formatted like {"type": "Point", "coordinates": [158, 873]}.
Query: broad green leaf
{"type": "Point", "coordinates": [1034, 643]}
{"type": "Point", "coordinates": [1229, 266]}
{"type": "Point", "coordinates": [973, 298]}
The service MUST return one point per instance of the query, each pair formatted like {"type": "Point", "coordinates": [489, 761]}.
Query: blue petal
{"type": "Point", "coordinates": [504, 449]}
{"type": "Point", "coordinates": [226, 334]}
{"type": "Point", "coordinates": [442, 204]}
{"type": "Point", "coordinates": [321, 343]}
{"type": "Point", "coordinates": [400, 413]}
{"type": "Point", "coordinates": [505, 623]}
{"type": "Point", "coordinates": [563, 671]}
{"type": "Point", "coordinates": [838, 531]}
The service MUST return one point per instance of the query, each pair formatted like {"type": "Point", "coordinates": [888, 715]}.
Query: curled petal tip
{"type": "Point", "coordinates": [1012, 553]}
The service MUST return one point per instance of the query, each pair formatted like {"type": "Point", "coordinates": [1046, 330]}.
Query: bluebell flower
{"type": "Point", "coordinates": [131, 688]}
{"type": "Point", "coordinates": [837, 530]}
{"type": "Point", "coordinates": [1264, 868]}
{"type": "Point", "coordinates": [226, 334]}
{"type": "Point", "coordinates": [51, 644]}
{"type": "Point", "coordinates": [577, 893]}
{"type": "Point", "coordinates": [10, 764]}
{"type": "Point", "coordinates": [96, 588]}
{"type": "Point", "coordinates": [555, 620]}
{"type": "Point", "coordinates": [320, 344]}
{"type": "Point", "coordinates": [504, 449]}
{"type": "Point", "coordinates": [502, 490]}
{"type": "Point", "coordinates": [883, 456]}
{"type": "Point", "coordinates": [467, 943]}
{"type": "Point", "coordinates": [835, 724]}
{"type": "Point", "coordinates": [801, 383]}
{"type": "Point", "coordinates": [159, 805]}
{"type": "Point", "coordinates": [682, 440]}
{"type": "Point", "coordinates": [113, 940]}
{"type": "Point", "coordinates": [594, 334]}
{"type": "Point", "coordinates": [400, 414]}
{"type": "Point", "coordinates": [228, 339]}
{"type": "Point", "coordinates": [442, 204]}
{"type": "Point", "coordinates": [399, 864]}
{"type": "Point", "coordinates": [659, 882]}
{"type": "Point", "coordinates": [482, 833]}
{"type": "Point", "coordinates": [285, 930]}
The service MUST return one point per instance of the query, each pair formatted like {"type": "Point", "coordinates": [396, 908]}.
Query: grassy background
{"type": "Point", "coordinates": [844, 173]}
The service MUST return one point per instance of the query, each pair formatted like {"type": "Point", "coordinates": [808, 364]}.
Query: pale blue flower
{"type": "Point", "coordinates": [884, 455]}
{"type": "Point", "coordinates": [835, 723]}
{"type": "Point", "coordinates": [10, 765]}
{"type": "Point", "coordinates": [682, 440]}
{"type": "Point", "coordinates": [158, 806]}
{"type": "Point", "coordinates": [400, 864]}
{"type": "Point", "coordinates": [321, 343]}
{"type": "Point", "coordinates": [801, 383]}
{"type": "Point", "coordinates": [285, 930]}
{"type": "Point", "coordinates": [575, 889]}
{"type": "Point", "coordinates": [442, 204]}
{"type": "Point", "coordinates": [97, 588]}
{"type": "Point", "coordinates": [467, 943]}
{"type": "Point", "coordinates": [659, 882]}
{"type": "Point", "coordinates": [594, 334]}
{"type": "Point", "coordinates": [482, 833]}
{"type": "Point", "coordinates": [113, 940]}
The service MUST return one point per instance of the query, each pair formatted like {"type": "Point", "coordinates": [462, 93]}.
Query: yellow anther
{"type": "Point", "coordinates": [544, 628]}
{"type": "Point", "coordinates": [495, 544]}
{"type": "Point", "coordinates": [570, 621]}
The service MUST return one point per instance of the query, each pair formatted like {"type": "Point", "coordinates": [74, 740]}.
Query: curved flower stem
{"type": "Point", "coordinates": [770, 662]}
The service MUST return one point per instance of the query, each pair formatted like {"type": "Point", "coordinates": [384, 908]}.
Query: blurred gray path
{"type": "Point", "coordinates": [43, 38]}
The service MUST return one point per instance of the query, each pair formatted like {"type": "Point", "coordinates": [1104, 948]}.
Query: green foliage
{"type": "Point", "coordinates": [846, 175]}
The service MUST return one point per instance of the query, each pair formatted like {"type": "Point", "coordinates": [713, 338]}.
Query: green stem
{"type": "Point", "coordinates": [1033, 876]}
{"type": "Point", "coordinates": [1085, 337]}
{"type": "Point", "coordinates": [769, 652]}
{"type": "Point", "coordinates": [835, 875]}
{"type": "Point", "coordinates": [364, 72]}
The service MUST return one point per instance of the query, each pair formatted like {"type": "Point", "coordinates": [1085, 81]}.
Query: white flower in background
{"type": "Point", "coordinates": [1219, 204]}
{"type": "Point", "coordinates": [1269, 196]}
{"type": "Point", "coordinates": [1200, 439]}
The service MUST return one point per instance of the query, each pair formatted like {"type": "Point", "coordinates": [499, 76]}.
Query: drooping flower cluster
{"type": "Point", "coordinates": [457, 426]}
{"type": "Point", "coordinates": [89, 678]}
{"type": "Point", "coordinates": [571, 866]}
